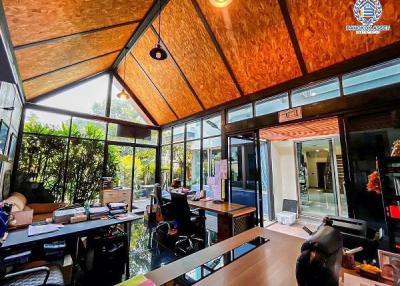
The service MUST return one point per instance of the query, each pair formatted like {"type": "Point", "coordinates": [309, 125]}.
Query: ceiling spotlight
{"type": "Point", "coordinates": [158, 53]}
{"type": "Point", "coordinates": [220, 3]}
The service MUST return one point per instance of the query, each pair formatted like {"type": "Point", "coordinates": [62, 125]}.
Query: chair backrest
{"type": "Point", "coordinates": [289, 206]}
{"type": "Point", "coordinates": [181, 210]}
{"type": "Point", "coordinates": [158, 194]}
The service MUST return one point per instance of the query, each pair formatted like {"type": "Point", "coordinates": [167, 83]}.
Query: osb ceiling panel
{"type": "Point", "coordinates": [166, 77]}
{"type": "Point", "coordinates": [145, 92]}
{"type": "Point", "coordinates": [36, 20]}
{"type": "Point", "coordinates": [255, 40]}
{"type": "Point", "coordinates": [37, 60]}
{"type": "Point", "coordinates": [52, 81]}
{"type": "Point", "coordinates": [309, 129]}
{"type": "Point", "coordinates": [188, 41]}
{"type": "Point", "coordinates": [321, 29]}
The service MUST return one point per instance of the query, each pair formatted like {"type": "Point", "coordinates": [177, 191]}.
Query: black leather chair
{"type": "Point", "coordinates": [165, 207]}
{"type": "Point", "coordinates": [49, 275]}
{"type": "Point", "coordinates": [321, 258]}
{"type": "Point", "coordinates": [191, 226]}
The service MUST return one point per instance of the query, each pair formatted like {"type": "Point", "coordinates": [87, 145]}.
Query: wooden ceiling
{"type": "Point", "coordinates": [308, 129]}
{"type": "Point", "coordinates": [215, 55]}
{"type": "Point", "coordinates": [59, 42]}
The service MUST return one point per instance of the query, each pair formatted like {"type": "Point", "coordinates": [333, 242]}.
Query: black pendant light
{"type": "Point", "coordinates": [158, 53]}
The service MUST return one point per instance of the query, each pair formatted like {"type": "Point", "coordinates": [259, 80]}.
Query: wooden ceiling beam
{"type": "Point", "coordinates": [292, 35]}
{"type": "Point", "coordinates": [153, 84]}
{"type": "Point", "coordinates": [71, 65]}
{"type": "Point", "coordinates": [4, 33]}
{"type": "Point", "coordinates": [217, 46]}
{"type": "Point", "coordinates": [185, 79]}
{"type": "Point", "coordinates": [74, 35]}
{"type": "Point", "coordinates": [65, 87]}
{"type": "Point", "coordinates": [148, 19]}
{"type": "Point", "coordinates": [135, 99]}
{"type": "Point", "coordinates": [363, 61]}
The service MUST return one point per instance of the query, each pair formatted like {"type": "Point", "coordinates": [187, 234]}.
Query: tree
{"type": "Point", "coordinates": [44, 158]}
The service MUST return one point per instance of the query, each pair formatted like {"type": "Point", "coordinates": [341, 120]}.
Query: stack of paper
{"type": "Point", "coordinates": [41, 229]}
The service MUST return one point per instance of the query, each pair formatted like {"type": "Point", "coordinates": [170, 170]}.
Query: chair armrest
{"type": "Point", "coordinates": [30, 271]}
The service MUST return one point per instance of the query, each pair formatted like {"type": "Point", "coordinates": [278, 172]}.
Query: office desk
{"type": "Point", "coordinates": [273, 263]}
{"type": "Point", "coordinates": [19, 239]}
{"type": "Point", "coordinates": [228, 214]}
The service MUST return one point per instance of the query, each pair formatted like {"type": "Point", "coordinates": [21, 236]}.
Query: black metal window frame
{"type": "Point", "coordinates": [106, 119]}
{"type": "Point", "coordinates": [185, 142]}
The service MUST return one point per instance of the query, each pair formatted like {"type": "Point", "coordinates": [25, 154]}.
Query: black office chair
{"type": "Point", "coordinates": [191, 226]}
{"type": "Point", "coordinates": [49, 275]}
{"type": "Point", "coordinates": [356, 233]}
{"type": "Point", "coordinates": [320, 260]}
{"type": "Point", "coordinates": [165, 207]}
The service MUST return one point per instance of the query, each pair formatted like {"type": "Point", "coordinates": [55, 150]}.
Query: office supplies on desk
{"type": "Point", "coordinates": [98, 212]}
{"type": "Point", "coordinates": [41, 229]}
{"type": "Point", "coordinates": [64, 215]}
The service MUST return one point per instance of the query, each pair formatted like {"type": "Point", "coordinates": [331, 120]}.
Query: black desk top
{"type": "Point", "coordinates": [20, 237]}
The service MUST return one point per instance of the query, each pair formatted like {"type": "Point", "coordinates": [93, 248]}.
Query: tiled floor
{"type": "Point", "coordinates": [296, 229]}
{"type": "Point", "coordinates": [146, 255]}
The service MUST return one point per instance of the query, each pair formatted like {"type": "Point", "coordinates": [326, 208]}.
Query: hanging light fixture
{"type": "Point", "coordinates": [158, 53]}
{"type": "Point", "coordinates": [123, 94]}
{"type": "Point", "coordinates": [220, 3]}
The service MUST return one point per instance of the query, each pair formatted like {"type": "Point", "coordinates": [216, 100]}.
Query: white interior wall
{"type": "Point", "coordinates": [284, 172]}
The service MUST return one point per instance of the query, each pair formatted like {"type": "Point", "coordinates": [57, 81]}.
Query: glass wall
{"type": "Point", "coordinates": [195, 147]}
{"type": "Point", "coordinates": [63, 158]}
{"type": "Point", "coordinates": [317, 92]}
{"type": "Point", "coordinates": [385, 74]}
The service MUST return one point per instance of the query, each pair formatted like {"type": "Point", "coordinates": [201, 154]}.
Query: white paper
{"type": "Point", "coordinates": [41, 229]}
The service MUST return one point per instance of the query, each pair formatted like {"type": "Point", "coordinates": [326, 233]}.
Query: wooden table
{"type": "Point", "coordinates": [228, 213]}
{"type": "Point", "coordinates": [273, 263]}
{"type": "Point", "coordinates": [19, 239]}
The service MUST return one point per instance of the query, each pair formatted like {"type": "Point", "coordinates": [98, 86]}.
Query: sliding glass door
{"type": "Point", "coordinates": [133, 168]}
{"type": "Point", "coordinates": [244, 177]}
{"type": "Point", "coordinates": [317, 177]}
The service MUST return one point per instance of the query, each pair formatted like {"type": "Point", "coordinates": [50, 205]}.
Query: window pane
{"type": "Point", "coordinates": [193, 165]}
{"type": "Point", "coordinates": [212, 126]}
{"type": "Point", "coordinates": [88, 97]}
{"type": "Point", "coordinates": [8, 96]}
{"type": "Point", "coordinates": [179, 133]}
{"type": "Point", "coordinates": [112, 134]}
{"type": "Point", "coordinates": [272, 105]}
{"type": "Point", "coordinates": [85, 128]}
{"type": "Point", "coordinates": [193, 130]}
{"type": "Point", "coordinates": [85, 168]}
{"type": "Point", "coordinates": [144, 177]}
{"type": "Point", "coordinates": [166, 136]}
{"type": "Point", "coordinates": [315, 93]}
{"type": "Point", "coordinates": [42, 161]}
{"type": "Point", "coordinates": [211, 153]}
{"type": "Point", "coordinates": [377, 76]}
{"type": "Point", "coordinates": [165, 165]}
{"type": "Point", "coordinates": [120, 166]}
{"type": "Point", "coordinates": [240, 113]}
{"type": "Point", "coordinates": [125, 109]}
{"type": "Point", "coordinates": [177, 161]}
{"type": "Point", "coordinates": [151, 140]}
{"type": "Point", "coordinates": [46, 123]}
